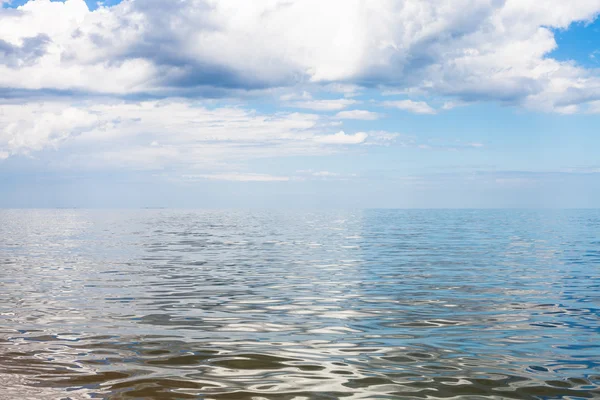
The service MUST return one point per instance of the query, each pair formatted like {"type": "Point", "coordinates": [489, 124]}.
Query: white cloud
{"type": "Point", "coordinates": [417, 107]}
{"type": "Point", "coordinates": [325, 174]}
{"type": "Point", "coordinates": [471, 50]}
{"type": "Point", "coordinates": [238, 177]}
{"type": "Point", "coordinates": [82, 49]}
{"type": "Point", "coordinates": [444, 144]}
{"type": "Point", "coordinates": [342, 138]}
{"type": "Point", "coordinates": [594, 107]}
{"type": "Point", "coordinates": [33, 126]}
{"type": "Point", "coordinates": [304, 175]}
{"type": "Point", "coordinates": [304, 95]}
{"type": "Point", "coordinates": [176, 134]}
{"type": "Point", "coordinates": [324, 105]}
{"type": "Point", "coordinates": [449, 105]}
{"type": "Point", "coordinates": [383, 138]}
{"type": "Point", "coordinates": [348, 90]}
{"type": "Point", "coordinates": [23, 131]}
{"type": "Point", "coordinates": [358, 114]}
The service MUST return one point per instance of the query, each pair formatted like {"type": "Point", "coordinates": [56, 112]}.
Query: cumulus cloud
{"type": "Point", "coordinates": [342, 138]}
{"type": "Point", "coordinates": [417, 107]}
{"type": "Point", "coordinates": [358, 114]}
{"type": "Point", "coordinates": [81, 49]}
{"type": "Point", "coordinates": [469, 50]}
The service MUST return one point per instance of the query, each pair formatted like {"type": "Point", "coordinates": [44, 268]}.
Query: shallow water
{"type": "Point", "coordinates": [375, 304]}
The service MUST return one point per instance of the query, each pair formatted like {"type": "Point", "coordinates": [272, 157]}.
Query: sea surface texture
{"type": "Point", "coordinates": [373, 304]}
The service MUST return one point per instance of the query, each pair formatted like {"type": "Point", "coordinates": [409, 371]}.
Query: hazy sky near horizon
{"type": "Point", "coordinates": [300, 103]}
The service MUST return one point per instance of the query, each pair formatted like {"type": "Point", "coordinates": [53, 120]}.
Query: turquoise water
{"type": "Point", "coordinates": [374, 304]}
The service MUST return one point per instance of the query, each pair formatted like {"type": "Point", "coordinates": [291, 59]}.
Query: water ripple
{"type": "Point", "coordinates": [376, 304]}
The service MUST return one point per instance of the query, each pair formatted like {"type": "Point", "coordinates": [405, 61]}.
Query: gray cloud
{"type": "Point", "coordinates": [26, 54]}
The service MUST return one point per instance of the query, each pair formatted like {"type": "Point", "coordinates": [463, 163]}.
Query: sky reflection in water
{"type": "Point", "coordinates": [300, 305]}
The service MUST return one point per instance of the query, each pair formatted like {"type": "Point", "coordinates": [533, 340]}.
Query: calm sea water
{"type": "Point", "coordinates": [375, 304]}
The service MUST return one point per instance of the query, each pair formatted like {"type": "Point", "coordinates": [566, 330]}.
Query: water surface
{"type": "Point", "coordinates": [375, 304]}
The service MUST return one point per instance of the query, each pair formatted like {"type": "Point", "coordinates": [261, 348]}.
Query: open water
{"type": "Point", "coordinates": [372, 304]}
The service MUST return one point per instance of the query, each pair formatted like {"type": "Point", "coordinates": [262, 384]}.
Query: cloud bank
{"type": "Point", "coordinates": [162, 133]}
{"type": "Point", "coordinates": [470, 50]}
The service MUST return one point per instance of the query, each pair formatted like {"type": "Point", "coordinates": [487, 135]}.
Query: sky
{"type": "Point", "coordinates": [300, 103]}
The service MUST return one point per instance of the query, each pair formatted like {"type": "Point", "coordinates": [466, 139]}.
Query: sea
{"type": "Point", "coordinates": [299, 304]}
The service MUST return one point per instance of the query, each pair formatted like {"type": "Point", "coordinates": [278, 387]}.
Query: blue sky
{"type": "Point", "coordinates": [226, 103]}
